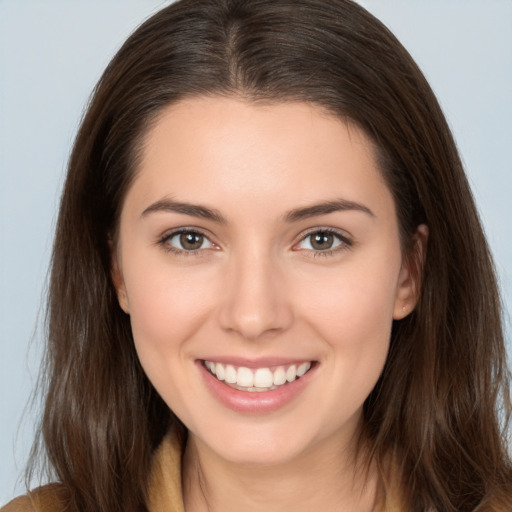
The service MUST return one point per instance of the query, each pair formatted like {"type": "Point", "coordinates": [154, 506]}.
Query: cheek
{"type": "Point", "coordinates": [353, 303]}
{"type": "Point", "coordinates": [167, 307]}
{"type": "Point", "coordinates": [352, 312]}
{"type": "Point", "coordinates": [354, 321]}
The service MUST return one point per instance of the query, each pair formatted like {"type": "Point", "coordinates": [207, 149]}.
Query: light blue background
{"type": "Point", "coordinates": [52, 53]}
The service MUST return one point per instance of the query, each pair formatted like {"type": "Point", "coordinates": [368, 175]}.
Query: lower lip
{"type": "Point", "coordinates": [255, 402]}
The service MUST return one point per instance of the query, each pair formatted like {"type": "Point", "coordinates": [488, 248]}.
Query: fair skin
{"type": "Point", "coordinates": [222, 264]}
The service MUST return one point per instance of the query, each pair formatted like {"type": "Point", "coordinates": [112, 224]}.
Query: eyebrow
{"type": "Point", "coordinates": [194, 210]}
{"type": "Point", "coordinates": [295, 215]}
{"type": "Point", "coordinates": [325, 208]}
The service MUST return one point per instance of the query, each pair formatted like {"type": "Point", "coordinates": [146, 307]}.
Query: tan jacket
{"type": "Point", "coordinates": [165, 487]}
{"type": "Point", "coordinates": [164, 495]}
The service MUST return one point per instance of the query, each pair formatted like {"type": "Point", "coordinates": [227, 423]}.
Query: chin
{"type": "Point", "coordinates": [260, 445]}
{"type": "Point", "coordinates": [264, 453]}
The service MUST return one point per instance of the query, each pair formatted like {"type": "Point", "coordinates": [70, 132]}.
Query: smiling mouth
{"type": "Point", "coordinates": [257, 379]}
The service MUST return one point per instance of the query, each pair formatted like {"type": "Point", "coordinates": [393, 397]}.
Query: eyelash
{"type": "Point", "coordinates": [165, 239]}
{"type": "Point", "coordinates": [344, 242]}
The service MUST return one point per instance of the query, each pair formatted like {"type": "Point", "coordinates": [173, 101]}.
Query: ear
{"type": "Point", "coordinates": [411, 275]}
{"type": "Point", "coordinates": [118, 279]}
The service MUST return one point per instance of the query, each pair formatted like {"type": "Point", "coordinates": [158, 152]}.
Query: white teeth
{"type": "Point", "coordinates": [291, 373]}
{"type": "Point", "coordinates": [303, 368]}
{"type": "Point", "coordinates": [219, 371]}
{"type": "Point", "coordinates": [279, 376]}
{"type": "Point", "coordinates": [263, 378]}
{"type": "Point", "coordinates": [230, 374]}
{"type": "Point", "coordinates": [244, 377]}
{"type": "Point", "coordinates": [260, 379]}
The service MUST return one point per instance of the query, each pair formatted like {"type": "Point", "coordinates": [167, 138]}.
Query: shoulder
{"type": "Point", "coordinates": [20, 504]}
{"type": "Point", "coordinates": [50, 498]}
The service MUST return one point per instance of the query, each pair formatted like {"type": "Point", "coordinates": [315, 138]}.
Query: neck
{"type": "Point", "coordinates": [323, 479]}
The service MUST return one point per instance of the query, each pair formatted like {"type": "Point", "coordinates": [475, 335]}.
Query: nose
{"type": "Point", "coordinates": [255, 301]}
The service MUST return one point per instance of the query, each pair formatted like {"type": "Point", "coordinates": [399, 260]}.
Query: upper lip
{"type": "Point", "coordinates": [262, 362]}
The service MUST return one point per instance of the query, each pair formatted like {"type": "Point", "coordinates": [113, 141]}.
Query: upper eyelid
{"type": "Point", "coordinates": [169, 233]}
{"type": "Point", "coordinates": [344, 235]}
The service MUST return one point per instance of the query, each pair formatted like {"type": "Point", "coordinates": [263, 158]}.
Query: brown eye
{"type": "Point", "coordinates": [322, 241]}
{"type": "Point", "coordinates": [191, 241]}
{"type": "Point", "coordinates": [187, 241]}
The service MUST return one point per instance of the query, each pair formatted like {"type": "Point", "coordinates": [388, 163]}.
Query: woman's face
{"type": "Point", "coordinates": [259, 242]}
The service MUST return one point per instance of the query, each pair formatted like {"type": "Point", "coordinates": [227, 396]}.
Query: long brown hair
{"type": "Point", "coordinates": [440, 409]}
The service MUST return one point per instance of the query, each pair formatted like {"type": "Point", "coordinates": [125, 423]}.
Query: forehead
{"type": "Point", "coordinates": [211, 149]}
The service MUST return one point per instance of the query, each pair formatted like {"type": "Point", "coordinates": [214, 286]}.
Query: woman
{"type": "Point", "coordinates": [270, 287]}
